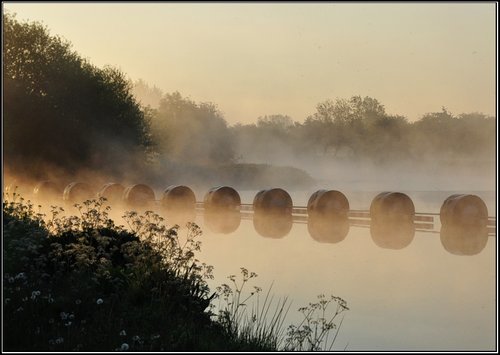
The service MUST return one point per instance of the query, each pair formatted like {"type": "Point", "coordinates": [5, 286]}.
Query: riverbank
{"type": "Point", "coordinates": [82, 283]}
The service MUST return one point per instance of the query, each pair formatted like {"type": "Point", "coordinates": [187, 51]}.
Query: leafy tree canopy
{"type": "Point", "coordinates": [60, 110]}
{"type": "Point", "coordinates": [194, 133]}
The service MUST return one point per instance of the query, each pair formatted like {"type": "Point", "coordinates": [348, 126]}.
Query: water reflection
{"type": "Point", "coordinates": [327, 230]}
{"type": "Point", "coordinates": [464, 241]}
{"type": "Point", "coordinates": [386, 233]}
{"type": "Point", "coordinates": [272, 225]}
{"type": "Point", "coordinates": [222, 221]}
{"type": "Point", "coordinates": [180, 217]}
{"type": "Point", "coordinates": [396, 235]}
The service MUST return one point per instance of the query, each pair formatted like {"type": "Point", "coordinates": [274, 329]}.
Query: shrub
{"type": "Point", "coordinates": [82, 283]}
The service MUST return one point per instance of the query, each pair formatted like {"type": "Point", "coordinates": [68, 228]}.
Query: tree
{"type": "Point", "coordinates": [60, 111]}
{"type": "Point", "coordinates": [343, 124]}
{"type": "Point", "coordinates": [191, 133]}
{"type": "Point", "coordinates": [441, 135]}
{"type": "Point", "coordinates": [145, 94]}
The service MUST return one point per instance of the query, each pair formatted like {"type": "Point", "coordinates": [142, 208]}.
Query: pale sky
{"type": "Point", "coordinates": [256, 59]}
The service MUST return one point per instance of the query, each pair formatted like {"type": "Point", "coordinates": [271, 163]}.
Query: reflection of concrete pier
{"type": "Point", "coordinates": [463, 223]}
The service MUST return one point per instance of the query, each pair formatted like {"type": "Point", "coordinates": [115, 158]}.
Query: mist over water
{"type": "Point", "coordinates": [81, 127]}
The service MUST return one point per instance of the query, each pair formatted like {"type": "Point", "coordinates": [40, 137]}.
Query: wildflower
{"type": "Point", "coordinates": [35, 294]}
{"type": "Point", "coordinates": [21, 275]}
{"type": "Point", "coordinates": [60, 340]}
{"type": "Point", "coordinates": [68, 323]}
{"type": "Point", "coordinates": [11, 280]}
{"type": "Point", "coordinates": [50, 300]}
{"type": "Point", "coordinates": [78, 301]}
{"type": "Point", "coordinates": [99, 301]}
{"type": "Point", "coordinates": [123, 333]}
{"type": "Point", "coordinates": [155, 336]}
{"type": "Point", "coordinates": [124, 347]}
{"type": "Point", "coordinates": [64, 315]}
{"type": "Point", "coordinates": [20, 309]}
{"type": "Point", "coordinates": [71, 316]}
{"type": "Point", "coordinates": [7, 300]}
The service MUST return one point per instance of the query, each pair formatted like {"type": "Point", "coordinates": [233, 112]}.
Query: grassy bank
{"type": "Point", "coordinates": [82, 283]}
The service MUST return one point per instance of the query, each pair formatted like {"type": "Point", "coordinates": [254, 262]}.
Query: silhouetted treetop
{"type": "Point", "coordinates": [191, 132]}
{"type": "Point", "coordinates": [60, 110]}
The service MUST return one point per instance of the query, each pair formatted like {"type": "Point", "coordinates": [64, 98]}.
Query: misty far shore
{"type": "Point", "coordinates": [66, 119]}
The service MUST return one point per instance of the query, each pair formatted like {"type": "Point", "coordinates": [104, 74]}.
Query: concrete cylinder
{"type": "Point", "coordinates": [139, 196]}
{"type": "Point", "coordinates": [112, 192]}
{"type": "Point", "coordinates": [392, 207]}
{"type": "Point", "coordinates": [273, 201]}
{"type": "Point", "coordinates": [463, 210]}
{"type": "Point", "coordinates": [178, 197]}
{"type": "Point", "coordinates": [328, 203]}
{"type": "Point", "coordinates": [78, 192]}
{"type": "Point", "coordinates": [222, 198]}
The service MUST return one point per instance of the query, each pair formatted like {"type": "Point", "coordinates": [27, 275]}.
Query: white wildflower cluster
{"type": "Point", "coordinates": [64, 315]}
{"type": "Point", "coordinates": [58, 341]}
{"type": "Point", "coordinates": [35, 294]}
{"type": "Point", "coordinates": [21, 276]}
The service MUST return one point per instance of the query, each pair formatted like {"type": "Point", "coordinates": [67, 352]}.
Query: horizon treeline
{"type": "Point", "coordinates": [357, 128]}
{"type": "Point", "coordinates": [61, 113]}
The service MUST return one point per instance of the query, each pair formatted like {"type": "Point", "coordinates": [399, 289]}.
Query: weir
{"type": "Point", "coordinates": [463, 222]}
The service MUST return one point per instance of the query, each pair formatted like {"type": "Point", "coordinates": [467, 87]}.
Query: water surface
{"type": "Point", "coordinates": [419, 297]}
